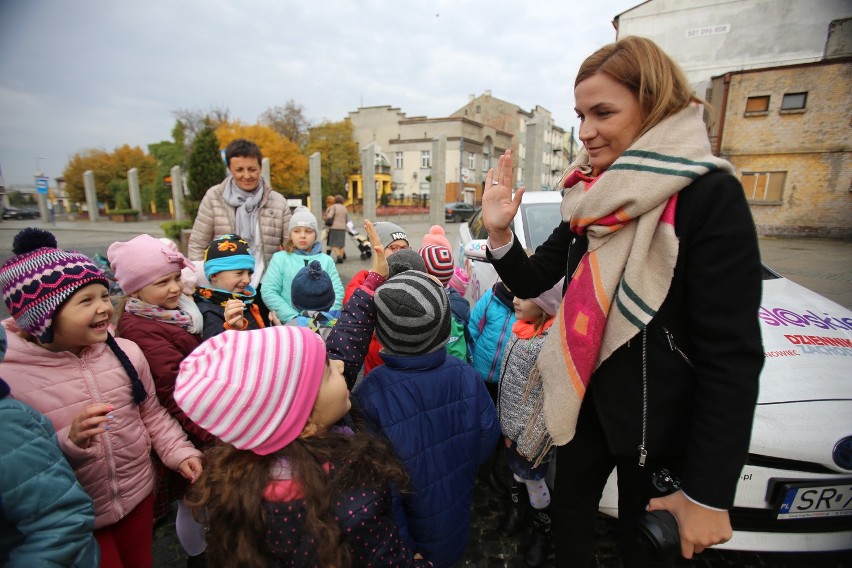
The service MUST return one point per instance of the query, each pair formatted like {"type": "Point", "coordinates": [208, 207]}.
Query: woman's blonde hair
{"type": "Point", "coordinates": [640, 65]}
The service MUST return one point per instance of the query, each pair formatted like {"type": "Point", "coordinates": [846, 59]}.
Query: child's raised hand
{"type": "Point", "coordinates": [234, 314]}
{"type": "Point", "coordinates": [89, 423]}
{"type": "Point", "coordinates": [190, 468]}
{"type": "Point", "coordinates": [380, 263]}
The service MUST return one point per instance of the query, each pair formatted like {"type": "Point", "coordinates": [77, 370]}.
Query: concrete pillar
{"type": "Point", "coordinates": [315, 176]}
{"type": "Point", "coordinates": [42, 206]}
{"type": "Point", "coordinates": [533, 163]}
{"type": "Point", "coordinates": [438, 186]}
{"type": "Point", "coordinates": [177, 192]}
{"type": "Point", "coordinates": [91, 196]}
{"type": "Point", "coordinates": [133, 188]}
{"type": "Point", "coordinates": [368, 179]}
{"type": "Point", "coordinates": [264, 171]}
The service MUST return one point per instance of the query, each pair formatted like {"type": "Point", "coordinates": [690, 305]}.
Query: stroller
{"type": "Point", "coordinates": [363, 242]}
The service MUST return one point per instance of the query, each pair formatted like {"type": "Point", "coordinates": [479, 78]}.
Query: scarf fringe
{"type": "Point", "coordinates": [535, 445]}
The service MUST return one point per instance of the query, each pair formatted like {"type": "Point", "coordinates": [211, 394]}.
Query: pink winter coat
{"type": "Point", "coordinates": [116, 469]}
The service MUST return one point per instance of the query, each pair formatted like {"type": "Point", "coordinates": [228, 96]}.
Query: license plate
{"type": "Point", "coordinates": [804, 500]}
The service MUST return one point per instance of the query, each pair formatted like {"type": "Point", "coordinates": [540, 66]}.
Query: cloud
{"type": "Point", "coordinates": [99, 73]}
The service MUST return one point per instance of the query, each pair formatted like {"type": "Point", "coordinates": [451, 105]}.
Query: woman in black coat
{"type": "Point", "coordinates": [656, 360]}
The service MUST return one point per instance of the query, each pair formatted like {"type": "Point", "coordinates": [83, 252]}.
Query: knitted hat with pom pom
{"type": "Point", "coordinates": [312, 288]}
{"type": "Point", "coordinates": [40, 278]}
{"type": "Point", "coordinates": [436, 236]}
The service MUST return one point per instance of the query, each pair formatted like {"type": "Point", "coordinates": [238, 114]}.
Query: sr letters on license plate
{"type": "Point", "coordinates": [802, 500]}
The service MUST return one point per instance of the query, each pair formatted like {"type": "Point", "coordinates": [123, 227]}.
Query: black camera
{"type": "Point", "coordinates": [658, 529]}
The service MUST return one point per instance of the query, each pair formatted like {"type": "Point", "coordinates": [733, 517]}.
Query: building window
{"type": "Point", "coordinates": [398, 160]}
{"type": "Point", "coordinates": [485, 164]}
{"type": "Point", "coordinates": [757, 105]}
{"type": "Point", "coordinates": [794, 101]}
{"type": "Point", "coordinates": [426, 158]}
{"type": "Point", "coordinates": [471, 160]}
{"type": "Point", "coordinates": [764, 187]}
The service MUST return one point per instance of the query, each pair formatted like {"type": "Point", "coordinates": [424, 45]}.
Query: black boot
{"type": "Point", "coordinates": [540, 546]}
{"type": "Point", "coordinates": [515, 512]}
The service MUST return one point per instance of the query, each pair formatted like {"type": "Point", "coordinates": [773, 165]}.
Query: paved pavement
{"type": "Point", "coordinates": [822, 265]}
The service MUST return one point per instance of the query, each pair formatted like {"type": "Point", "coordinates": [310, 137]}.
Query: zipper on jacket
{"type": "Point", "coordinates": [108, 451]}
{"type": "Point", "coordinates": [497, 360]}
{"type": "Point", "coordinates": [674, 348]}
{"type": "Point", "coordinates": [643, 451]}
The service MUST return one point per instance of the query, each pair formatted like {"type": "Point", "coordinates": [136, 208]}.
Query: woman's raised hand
{"type": "Point", "coordinates": [498, 206]}
{"type": "Point", "coordinates": [380, 263]}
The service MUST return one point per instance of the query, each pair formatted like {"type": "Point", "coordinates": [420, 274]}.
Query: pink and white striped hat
{"type": "Point", "coordinates": [254, 389]}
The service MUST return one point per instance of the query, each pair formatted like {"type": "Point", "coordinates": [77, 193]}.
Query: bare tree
{"type": "Point", "coordinates": [288, 121]}
{"type": "Point", "coordinates": [194, 120]}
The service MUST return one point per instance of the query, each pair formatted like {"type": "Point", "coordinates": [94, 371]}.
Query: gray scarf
{"type": "Point", "coordinates": [246, 206]}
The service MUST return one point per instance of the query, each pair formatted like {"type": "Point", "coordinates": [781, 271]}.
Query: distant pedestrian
{"type": "Point", "coordinates": [336, 218]}
{"type": "Point", "coordinates": [245, 205]}
{"type": "Point", "coordinates": [166, 324]}
{"type": "Point", "coordinates": [300, 249]}
{"type": "Point", "coordinates": [96, 389]}
{"type": "Point", "coordinates": [229, 301]}
{"type": "Point", "coordinates": [291, 484]}
{"type": "Point", "coordinates": [516, 407]}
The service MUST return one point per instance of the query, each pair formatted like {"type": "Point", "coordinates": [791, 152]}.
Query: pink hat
{"type": "Point", "coordinates": [460, 280]}
{"type": "Point", "coordinates": [549, 301]}
{"type": "Point", "coordinates": [254, 389]}
{"type": "Point", "coordinates": [436, 236]}
{"type": "Point", "coordinates": [143, 260]}
{"type": "Point", "coordinates": [439, 261]}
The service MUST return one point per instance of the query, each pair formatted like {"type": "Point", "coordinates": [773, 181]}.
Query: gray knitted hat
{"type": "Point", "coordinates": [412, 314]}
{"type": "Point", "coordinates": [405, 259]}
{"type": "Point", "coordinates": [302, 217]}
{"type": "Point", "coordinates": [389, 232]}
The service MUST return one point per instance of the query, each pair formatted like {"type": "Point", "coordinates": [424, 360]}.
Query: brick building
{"type": "Point", "coordinates": [786, 131]}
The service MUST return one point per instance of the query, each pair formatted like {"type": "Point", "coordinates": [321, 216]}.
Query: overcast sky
{"type": "Point", "coordinates": [101, 73]}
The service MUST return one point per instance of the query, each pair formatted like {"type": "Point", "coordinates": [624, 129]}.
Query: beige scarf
{"type": "Point", "coordinates": [628, 215]}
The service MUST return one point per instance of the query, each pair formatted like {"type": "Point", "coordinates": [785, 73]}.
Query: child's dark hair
{"type": "Point", "coordinates": [227, 497]}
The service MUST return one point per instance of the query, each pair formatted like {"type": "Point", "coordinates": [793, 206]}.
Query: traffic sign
{"type": "Point", "coordinates": [42, 184]}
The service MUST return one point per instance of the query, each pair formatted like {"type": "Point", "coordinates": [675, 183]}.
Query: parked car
{"type": "Point", "coordinates": [537, 217]}
{"type": "Point", "coordinates": [16, 213]}
{"type": "Point", "coordinates": [458, 211]}
{"type": "Point", "coordinates": [795, 491]}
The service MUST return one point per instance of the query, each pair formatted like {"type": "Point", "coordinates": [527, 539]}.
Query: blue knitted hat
{"type": "Point", "coordinates": [228, 252]}
{"type": "Point", "coordinates": [312, 289]}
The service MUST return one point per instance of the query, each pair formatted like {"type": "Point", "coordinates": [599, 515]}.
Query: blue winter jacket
{"type": "Point", "coordinates": [441, 421]}
{"type": "Point", "coordinates": [46, 518]}
{"type": "Point", "coordinates": [490, 327]}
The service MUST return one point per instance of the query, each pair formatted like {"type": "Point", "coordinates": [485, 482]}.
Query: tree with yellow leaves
{"type": "Point", "coordinates": [288, 166]}
{"type": "Point", "coordinates": [110, 171]}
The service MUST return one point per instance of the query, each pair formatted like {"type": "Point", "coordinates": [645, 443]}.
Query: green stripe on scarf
{"type": "Point", "coordinates": [632, 241]}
